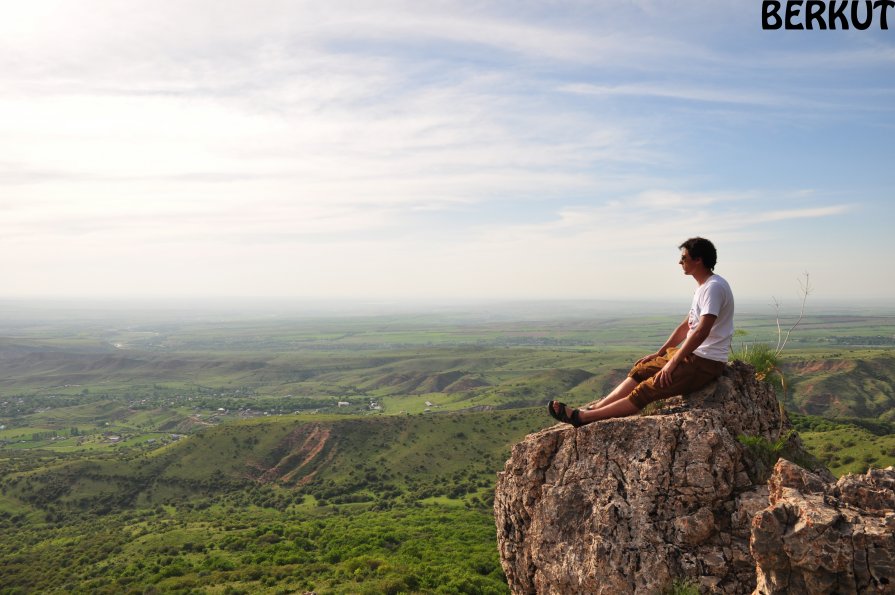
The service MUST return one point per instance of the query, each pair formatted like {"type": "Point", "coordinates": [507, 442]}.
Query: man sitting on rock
{"type": "Point", "coordinates": [705, 332]}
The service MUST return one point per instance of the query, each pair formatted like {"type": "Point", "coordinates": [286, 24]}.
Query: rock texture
{"type": "Point", "coordinates": [826, 538]}
{"type": "Point", "coordinates": [630, 505]}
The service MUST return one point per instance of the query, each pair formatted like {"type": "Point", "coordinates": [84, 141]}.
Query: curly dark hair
{"type": "Point", "coordinates": [701, 248]}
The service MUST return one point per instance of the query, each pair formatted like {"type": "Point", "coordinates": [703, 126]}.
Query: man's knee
{"type": "Point", "coordinates": [645, 393]}
{"type": "Point", "coordinates": [645, 371]}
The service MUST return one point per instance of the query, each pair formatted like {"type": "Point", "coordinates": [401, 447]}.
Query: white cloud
{"type": "Point", "coordinates": [677, 91]}
{"type": "Point", "coordinates": [785, 214]}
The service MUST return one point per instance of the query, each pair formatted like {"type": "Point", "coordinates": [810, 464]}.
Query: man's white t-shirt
{"type": "Point", "coordinates": [713, 297]}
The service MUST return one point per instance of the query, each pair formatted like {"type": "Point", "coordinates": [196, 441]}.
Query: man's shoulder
{"type": "Point", "coordinates": [718, 280]}
{"type": "Point", "coordinates": [716, 286]}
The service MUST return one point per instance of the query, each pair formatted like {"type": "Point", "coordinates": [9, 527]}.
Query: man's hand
{"type": "Point", "coordinates": [663, 378]}
{"type": "Point", "coordinates": [648, 358]}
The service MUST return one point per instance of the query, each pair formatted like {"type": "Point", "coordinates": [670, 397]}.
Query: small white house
{"type": "Point", "coordinates": [344, 404]}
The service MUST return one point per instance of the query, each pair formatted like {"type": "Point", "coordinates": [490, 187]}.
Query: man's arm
{"type": "Point", "coordinates": [702, 330]}
{"type": "Point", "coordinates": [677, 335]}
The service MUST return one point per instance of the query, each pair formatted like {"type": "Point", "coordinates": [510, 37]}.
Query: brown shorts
{"type": "Point", "coordinates": [692, 374]}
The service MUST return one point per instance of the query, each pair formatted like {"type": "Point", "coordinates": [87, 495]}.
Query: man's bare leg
{"type": "Point", "coordinates": [619, 392]}
{"type": "Point", "coordinates": [620, 408]}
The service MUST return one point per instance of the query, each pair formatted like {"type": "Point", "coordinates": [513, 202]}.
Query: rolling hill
{"type": "Point", "coordinates": [356, 459]}
{"type": "Point", "coordinates": [843, 386]}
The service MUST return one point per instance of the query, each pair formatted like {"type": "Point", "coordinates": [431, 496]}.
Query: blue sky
{"type": "Point", "coordinates": [442, 150]}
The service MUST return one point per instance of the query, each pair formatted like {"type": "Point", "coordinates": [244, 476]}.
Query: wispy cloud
{"type": "Point", "coordinates": [676, 91]}
{"type": "Point", "coordinates": [785, 214]}
{"type": "Point", "coordinates": [659, 213]}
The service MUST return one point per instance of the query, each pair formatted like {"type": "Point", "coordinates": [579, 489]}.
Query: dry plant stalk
{"type": "Point", "coordinates": [804, 290]}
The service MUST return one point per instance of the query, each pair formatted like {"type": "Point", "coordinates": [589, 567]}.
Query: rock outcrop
{"type": "Point", "coordinates": [631, 505]}
{"type": "Point", "coordinates": [817, 537]}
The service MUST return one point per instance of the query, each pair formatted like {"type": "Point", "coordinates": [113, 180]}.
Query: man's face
{"type": "Point", "coordinates": [687, 264]}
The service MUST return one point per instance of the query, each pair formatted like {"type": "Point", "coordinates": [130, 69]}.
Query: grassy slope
{"type": "Point", "coordinates": [258, 549]}
{"type": "Point", "coordinates": [363, 459]}
{"type": "Point", "coordinates": [851, 449]}
{"type": "Point", "coordinates": [267, 495]}
{"type": "Point", "coordinates": [848, 445]}
{"type": "Point", "coordinates": [857, 383]}
{"type": "Point", "coordinates": [421, 521]}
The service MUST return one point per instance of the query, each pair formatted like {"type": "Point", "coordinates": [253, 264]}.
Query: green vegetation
{"type": "Point", "coordinates": [336, 455]}
{"type": "Point", "coordinates": [385, 461]}
{"type": "Point", "coordinates": [764, 453]}
{"type": "Point", "coordinates": [848, 445]}
{"type": "Point", "coordinates": [763, 358]}
{"type": "Point", "coordinates": [683, 587]}
{"type": "Point", "coordinates": [343, 504]}
{"type": "Point", "coordinates": [843, 384]}
{"type": "Point", "coordinates": [434, 549]}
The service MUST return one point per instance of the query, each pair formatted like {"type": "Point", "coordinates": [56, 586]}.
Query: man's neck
{"type": "Point", "coordinates": [702, 276]}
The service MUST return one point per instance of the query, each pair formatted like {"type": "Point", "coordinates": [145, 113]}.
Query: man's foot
{"type": "Point", "coordinates": [560, 412]}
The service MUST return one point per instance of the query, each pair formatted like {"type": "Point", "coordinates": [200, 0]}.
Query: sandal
{"type": "Point", "coordinates": [574, 418]}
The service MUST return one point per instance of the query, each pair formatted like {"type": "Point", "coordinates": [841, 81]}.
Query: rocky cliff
{"type": "Point", "coordinates": [817, 537]}
{"type": "Point", "coordinates": [632, 505]}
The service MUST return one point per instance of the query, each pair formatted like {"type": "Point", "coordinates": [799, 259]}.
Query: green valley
{"type": "Point", "coordinates": [228, 454]}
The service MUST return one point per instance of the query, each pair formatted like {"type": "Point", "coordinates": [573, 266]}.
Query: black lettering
{"type": "Point", "coordinates": [814, 11]}
{"type": "Point", "coordinates": [793, 7]}
{"type": "Point", "coordinates": [883, 5]}
{"type": "Point", "coordinates": [837, 13]}
{"type": "Point", "coordinates": [769, 10]}
{"type": "Point", "coordinates": [868, 14]}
